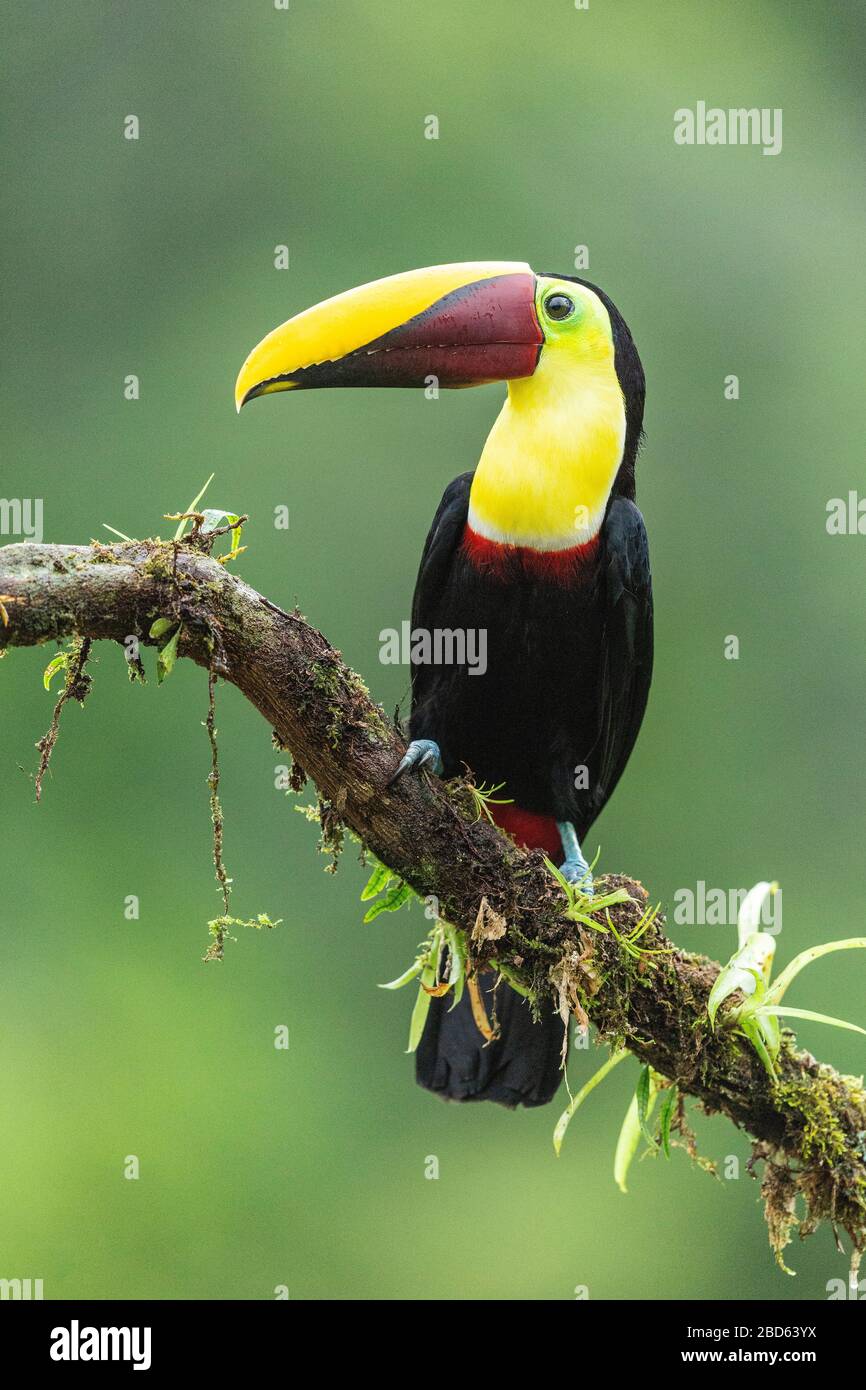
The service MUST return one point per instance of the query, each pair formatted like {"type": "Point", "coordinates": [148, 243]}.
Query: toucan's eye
{"type": "Point", "coordinates": [558, 306]}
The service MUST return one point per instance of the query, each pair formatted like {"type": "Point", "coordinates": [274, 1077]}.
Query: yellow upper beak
{"type": "Point", "coordinates": [336, 331]}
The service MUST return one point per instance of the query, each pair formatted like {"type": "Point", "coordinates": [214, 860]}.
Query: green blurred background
{"type": "Point", "coordinates": [261, 127]}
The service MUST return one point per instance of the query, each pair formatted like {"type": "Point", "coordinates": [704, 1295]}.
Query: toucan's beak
{"type": "Point", "coordinates": [461, 324]}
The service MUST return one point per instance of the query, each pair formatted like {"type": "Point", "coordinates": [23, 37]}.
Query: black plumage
{"type": "Point", "coordinates": [569, 664]}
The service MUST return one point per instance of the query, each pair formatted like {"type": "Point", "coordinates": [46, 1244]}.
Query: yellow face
{"type": "Point", "coordinates": [550, 460]}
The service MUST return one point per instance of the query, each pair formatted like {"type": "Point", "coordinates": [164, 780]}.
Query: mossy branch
{"type": "Point", "coordinates": [809, 1124]}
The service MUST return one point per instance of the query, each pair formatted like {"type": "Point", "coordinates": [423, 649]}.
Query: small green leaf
{"type": "Point", "coordinates": [629, 1138]}
{"type": "Point", "coordinates": [770, 1031]}
{"type": "Point", "coordinates": [377, 882]}
{"type": "Point", "coordinates": [626, 1145]}
{"type": "Point", "coordinates": [560, 878]}
{"type": "Point", "coordinates": [576, 1101]}
{"type": "Point", "coordinates": [750, 1028]}
{"type": "Point", "coordinates": [582, 908]}
{"type": "Point", "coordinates": [510, 978]}
{"type": "Point", "coordinates": [57, 663]}
{"type": "Point", "coordinates": [810, 1014]}
{"type": "Point", "coordinates": [729, 979]}
{"type": "Point", "coordinates": [781, 983]}
{"type": "Point", "coordinates": [749, 915]}
{"type": "Point", "coordinates": [161, 626]}
{"type": "Point", "coordinates": [619, 895]}
{"type": "Point", "coordinates": [392, 901]}
{"type": "Point", "coordinates": [166, 659]}
{"type": "Point", "coordinates": [420, 1011]}
{"type": "Point", "coordinates": [665, 1116]}
{"type": "Point", "coordinates": [214, 518]}
{"type": "Point", "coordinates": [457, 966]}
{"type": "Point", "coordinates": [408, 975]}
{"type": "Point", "coordinates": [115, 532]}
{"type": "Point", "coordinates": [747, 970]}
{"type": "Point", "coordinates": [192, 506]}
{"type": "Point", "coordinates": [644, 1092]}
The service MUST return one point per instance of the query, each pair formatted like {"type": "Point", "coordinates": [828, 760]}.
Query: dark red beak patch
{"type": "Point", "coordinates": [486, 331]}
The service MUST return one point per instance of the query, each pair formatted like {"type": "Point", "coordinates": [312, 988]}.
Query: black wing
{"type": "Point", "coordinates": [627, 646]}
{"type": "Point", "coordinates": [437, 558]}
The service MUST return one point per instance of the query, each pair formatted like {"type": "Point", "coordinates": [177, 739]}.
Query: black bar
{"type": "Point", "coordinates": [210, 1336]}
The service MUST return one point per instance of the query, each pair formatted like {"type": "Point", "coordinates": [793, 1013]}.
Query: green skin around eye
{"type": "Point", "coordinates": [547, 292]}
{"type": "Point", "coordinates": [587, 322]}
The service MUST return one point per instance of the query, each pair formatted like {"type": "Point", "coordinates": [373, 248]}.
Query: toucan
{"type": "Point", "coordinates": [540, 547]}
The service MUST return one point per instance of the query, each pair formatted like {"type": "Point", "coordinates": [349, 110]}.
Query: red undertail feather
{"type": "Point", "coordinates": [529, 829]}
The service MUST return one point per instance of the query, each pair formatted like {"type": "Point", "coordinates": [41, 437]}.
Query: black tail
{"type": "Point", "coordinates": [522, 1067]}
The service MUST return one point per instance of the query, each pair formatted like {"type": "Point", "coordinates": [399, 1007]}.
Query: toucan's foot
{"type": "Point", "coordinates": [574, 867]}
{"type": "Point", "coordinates": [422, 752]}
{"type": "Point", "coordinates": [578, 872]}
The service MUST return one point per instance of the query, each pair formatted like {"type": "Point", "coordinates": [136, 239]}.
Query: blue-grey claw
{"type": "Point", "coordinates": [574, 867]}
{"type": "Point", "coordinates": [578, 872]}
{"type": "Point", "coordinates": [422, 752]}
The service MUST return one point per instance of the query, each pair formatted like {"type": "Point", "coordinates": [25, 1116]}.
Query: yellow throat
{"type": "Point", "coordinates": [550, 460]}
